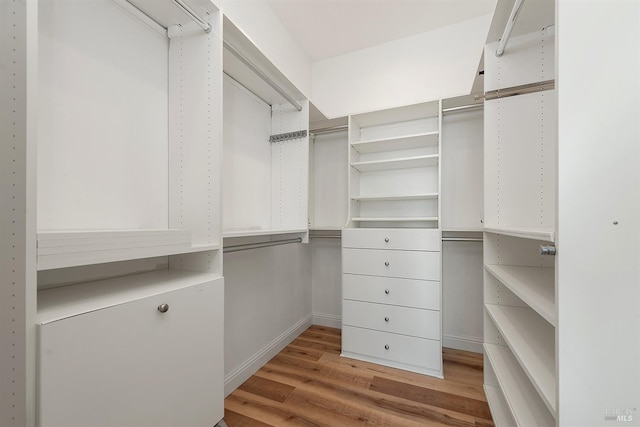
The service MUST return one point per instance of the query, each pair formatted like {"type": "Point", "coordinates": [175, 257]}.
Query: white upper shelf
{"type": "Point", "coordinates": [426, 196]}
{"type": "Point", "coordinates": [546, 234]}
{"type": "Point", "coordinates": [400, 163]}
{"type": "Point", "coordinates": [421, 140]}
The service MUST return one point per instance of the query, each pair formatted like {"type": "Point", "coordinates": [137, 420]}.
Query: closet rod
{"type": "Point", "coordinates": [462, 108]}
{"type": "Point", "coordinates": [331, 129]}
{"type": "Point", "coordinates": [194, 16]}
{"type": "Point", "coordinates": [260, 74]}
{"type": "Point", "coordinates": [248, 246]}
{"type": "Point", "coordinates": [462, 239]}
{"type": "Point", "coordinates": [507, 30]}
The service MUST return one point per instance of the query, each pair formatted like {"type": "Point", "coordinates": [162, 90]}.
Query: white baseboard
{"type": "Point", "coordinates": [329, 320]}
{"type": "Point", "coordinates": [242, 373]}
{"type": "Point", "coordinates": [462, 343]}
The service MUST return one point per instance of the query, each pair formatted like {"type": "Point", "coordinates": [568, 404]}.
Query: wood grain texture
{"type": "Point", "coordinates": [309, 384]}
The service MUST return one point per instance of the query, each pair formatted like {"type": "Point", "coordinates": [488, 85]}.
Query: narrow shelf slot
{"type": "Point", "coordinates": [427, 196]}
{"type": "Point", "coordinates": [533, 285]}
{"type": "Point", "coordinates": [546, 234]}
{"type": "Point", "coordinates": [408, 142]}
{"type": "Point", "coordinates": [524, 402]}
{"type": "Point", "coordinates": [401, 163]}
{"type": "Point", "coordinates": [532, 341]}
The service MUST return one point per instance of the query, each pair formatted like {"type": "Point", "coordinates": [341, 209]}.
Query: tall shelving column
{"type": "Point", "coordinates": [520, 187]}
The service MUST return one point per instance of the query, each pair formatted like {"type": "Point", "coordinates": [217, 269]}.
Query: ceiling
{"type": "Point", "coordinates": [328, 28]}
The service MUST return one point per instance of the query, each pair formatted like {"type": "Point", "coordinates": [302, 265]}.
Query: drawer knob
{"type": "Point", "coordinates": [386, 263]}
{"type": "Point", "coordinates": [386, 319]}
{"type": "Point", "coordinates": [386, 240]}
{"type": "Point", "coordinates": [386, 346]}
{"type": "Point", "coordinates": [386, 291]}
{"type": "Point", "coordinates": [163, 308]}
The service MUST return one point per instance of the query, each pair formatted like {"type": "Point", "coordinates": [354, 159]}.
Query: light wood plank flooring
{"type": "Point", "coordinates": [309, 384]}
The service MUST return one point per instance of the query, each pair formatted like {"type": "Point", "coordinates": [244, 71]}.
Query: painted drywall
{"type": "Point", "coordinates": [432, 65]}
{"type": "Point", "coordinates": [261, 25]}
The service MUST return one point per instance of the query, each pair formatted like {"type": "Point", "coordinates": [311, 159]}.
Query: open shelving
{"type": "Point", "coordinates": [397, 163]}
{"type": "Point", "coordinates": [546, 234]}
{"type": "Point", "coordinates": [421, 140]}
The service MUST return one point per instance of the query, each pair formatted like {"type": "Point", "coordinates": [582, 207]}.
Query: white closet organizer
{"type": "Point", "coordinates": [391, 246]}
{"type": "Point", "coordinates": [266, 145]}
{"type": "Point", "coordinates": [519, 283]}
{"type": "Point", "coordinates": [128, 168]}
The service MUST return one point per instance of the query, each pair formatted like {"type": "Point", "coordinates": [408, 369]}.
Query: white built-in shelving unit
{"type": "Point", "coordinates": [520, 175]}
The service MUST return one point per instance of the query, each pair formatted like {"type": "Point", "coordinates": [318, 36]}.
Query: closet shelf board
{"type": "Point", "coordinates": [399, 163]}
{"type": "Point", "coordinates": [533, 285]}
{"type": "Point", "coordinates": [66, 301]}
{"type": "Point", "coordinates": [523, 400]}
{"type": "Point", "coordinates": [498, 405]}
{"type": "Point", "coordinates": [421, 140]}
{"type": "Point", "coordinates": [427, 196]}
{"type": "Point", "coordinates": [532, 342]}
{"type": "Point", "coordinates": [397, 219]}
{"type": "Point", "coordinates": [249, 233]}
{"type": "Point", "coordinates": [546, 234]}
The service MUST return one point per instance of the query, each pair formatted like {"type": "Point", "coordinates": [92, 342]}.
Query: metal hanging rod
{"type": "Point", "coordinates": [287, 136]}
{"type": "Point", "coordinates": [248, 246]}
{"type": "Point", "coordinates": [462, 239]}
{"type": "Point", "coordinates": [202, 23]}
{"type": "Point", "coordinates": [520, 90]}
{"type": "Point", "coordinates": [330, 129]}
{"type": "Point", "coordinates": [463, 108]}
{"type": "Point", "coordinates": [260, 74]}
{"type": "Point", "coordinates": [507, 30]}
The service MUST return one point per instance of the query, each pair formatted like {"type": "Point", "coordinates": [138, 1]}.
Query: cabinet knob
{"type": "Point", "coordinates": [163, 308]}
{"type": "Point", "coordinates": [386, 346]}
{"type": "Point", "coordinates": [386, 319]}
{"type": "Point", "coordinates": [386, 263]}
{"type": "Point", "coordinates": [386, 291]}
{"type": "Point", "coordinates": [386, 240]}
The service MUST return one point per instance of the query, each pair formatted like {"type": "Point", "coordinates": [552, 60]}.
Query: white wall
{"type": "Point", "coordinates": [261, 25]}
{"type": "Point", "coordinates": [598, 269]}
{"type": "Point", "coordinates": [437, 64]}
{"type": "Point", "coordinates": [326, 281]}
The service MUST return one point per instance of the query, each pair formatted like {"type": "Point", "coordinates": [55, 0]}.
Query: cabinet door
{"type": "Point", "coordinates": [131, 365]}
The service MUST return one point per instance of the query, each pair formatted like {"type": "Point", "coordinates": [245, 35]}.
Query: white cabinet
{"type": "Point", "coordinates": [144, 357]}
{"type": "Point", "coordinates": [391, 298]}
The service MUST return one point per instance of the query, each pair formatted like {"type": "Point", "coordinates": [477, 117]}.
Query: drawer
{"type": "Point", "coordinates": [384, 238]}
{"type": "Point", "coordinates": [131, 365]}
{"type": "Point", "coordinates": [402, 264]}
{"type": "Point", "coordinates": [398, 350]}
{"type": "Point", "coordinates": [392, 318]}
{"type": "Point", "coordinates": [392, 290]}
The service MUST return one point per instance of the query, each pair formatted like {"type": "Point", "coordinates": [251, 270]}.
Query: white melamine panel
{"type": "Point", "coordinates": [391, 318]}
{"type": "Point", "coordinates": [510, 250]}
{"type": "Point", "coordinates": [399, 208]}
{"type": "Point", "coordinates": [125, 365]}
{"type": "Point", "coordinates": [247, 160]}
{"type": "Point", "coordinates": [527, 59]}
{"type": "Point", "coordinates": [326, 281]}
{"type": "Point", "coordinates": [545, 234]}
{"type": "Point", "coordinates": [520, 161]}
{"type": "Point", "coordinates": [527, 409]}
{"type": "Point", "coordinates": [330, 188]}
{"type": "Point", "coordinates": [498, 404]}
{"type": "Point", "coordinates": [422, 240]}
{"type": "Point", "coordinates": [420, 140]}
{"type": "Point", "coordinates": [102, 119]}
{"type": "Point", "coordinates": [397, 121]}
{"type": "Point", "coordinates": [532, 342]}
{"type": "Point", "coordinates": [399, 351]}
{"type": "Point", "coordinates": [391, 290]}
{"type": "Point", "coordinates": [396, 163]}
{"type": "Point", "coordinates": [462, 171]}
{"type": "Point", "coordinates": [401, 182]}
{"type": "Point", "coordinates": [402, 264]}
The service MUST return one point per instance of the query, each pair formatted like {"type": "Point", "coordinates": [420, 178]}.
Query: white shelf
{"type": "Point", "coordinates": [427, 196]}
{"type": "Point", "coordinates": [397, 219]}
{"type": "Point", "coordinates": [400, 163]}
{"type": "Point", "coordinates": [532, 341]}
{"type": "Point", "coordinates": [249, 233]}
{"type": "Point", "coordinates": [533, 285]}
{"type": "Point", "coordinates": [546, 234]}
{"type": "Point", "coordinates": [71, 248]}
{"type": "Point", "coordinates": [499, 408]}
{"type": "Point", "coordinates": [66, 301]}
{"type": "Point", "coordinates": [524, 403]}
{"type": "Point", "coordinates": [427, 139]}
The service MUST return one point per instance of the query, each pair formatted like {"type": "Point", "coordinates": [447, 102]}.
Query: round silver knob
{"type": "Point", "coordinates": [163, 308]}
{"type": "Point", "coordinates": [386, 263]}
{"type": "Point", "coordinates": [386, 319]}
{"type": "Point", "coordinates": [386, 240]}
{"type": "Point", "coordinates": [386, 291]}
{"type": "Point", "coordinates": [386, 347]}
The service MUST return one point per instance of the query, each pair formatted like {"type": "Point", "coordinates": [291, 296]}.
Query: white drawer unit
{"type": "Point", "coordinates": [391, 318]}
{"type": "Point", "coordinates": [151, 357]}
{"type": "Point", "coordinates": [392, 238]}
{"type": "Point", "coordinates": [399, 351]}
{"type": "Point", "coordinates": [403, 264]}
{"type": "Point", "coordinates": [392, 290]}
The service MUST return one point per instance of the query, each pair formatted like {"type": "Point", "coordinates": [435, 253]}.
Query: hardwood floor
{"type": "Point", "coordinates": [309, 384]}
